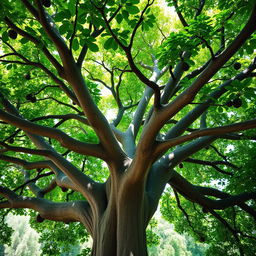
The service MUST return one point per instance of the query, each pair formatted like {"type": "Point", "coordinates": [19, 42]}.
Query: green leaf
{"type": "Point", "coordinates": [93, 47]}
{"type": "Point", "coordinates": [8, 67]}
{"type": "Point", "coordinates": [62, 15]}
{"type": "Point", "coordinates": [5, 36]}
{"type": "Point", "coordinates": [125, 14]}
{"type": "Point", "coordinates": [24, 40]}
{"type": "Point", "coordinates": [108, 43]}
{"type": "Point", "coordinates": [132, 9]}
{"type": "Point", "coordinates": [63, 28]}
{"type": "Point", "coordinates": [30, 30]}
{"type": "Point", "coordinates": [134, 1]}
{"type": "Point", "coordinates": [133, 23]}
{"type": "Point", "coordinates": [75, 44]}
{"type": "Point", "coordinates": [111, 2]}
{"type": "Point", "coordinates": [98, 22]}
{"type": "Point", "coordinates": [119, 18]}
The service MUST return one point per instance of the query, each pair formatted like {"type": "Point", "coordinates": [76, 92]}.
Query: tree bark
{"type": "Point", "coordinates": [128, 238]}
{"type": "Point", "coordinates": [121, 230]}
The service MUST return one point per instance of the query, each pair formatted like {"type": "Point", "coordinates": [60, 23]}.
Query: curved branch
{"type": "Point", "coordinates": [60, 178]}
{"type": "Point", "coordinates": [75, 24]}
{"type": "Point", "coordinates": [89, 188]}
{"type": "Point", "coordinates": [63, 117]}
{"type": "Point", "coordinates": [95, 34]}
{"type": "Point", "coordinates": [160, 116]}
{"type": "Point", "coordinates": [164, 146]}
{"type": "Point", "coordinates": [209, 163]}
{"type": "Point", "coordinates": [47, 24]}
{"type": "Point", "coordinates": [64, 139]}
{"type": "Point", "coordinates": [65, 212]}
{"type": "Point", "coordinates": [60, 83]}
{"type": "Point", "coordinates": [182, 19]}
{"type": "Point", "coordinates": [206, 191]}
{"type": "Point", "coordinates": [133, 66]}
{"type": "Point", "coordinates": [191, 192]}
{"type": "Point", "coordinates": [149, 3]}
{"type": "Point", "coordinates": [31, 38]}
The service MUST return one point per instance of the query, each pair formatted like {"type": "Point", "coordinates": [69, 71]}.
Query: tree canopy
{"type": "Point", "coordinates": [109, 107]}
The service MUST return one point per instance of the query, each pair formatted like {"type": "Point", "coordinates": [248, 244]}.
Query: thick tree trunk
{"type": "Point", "coordinates": [131, 239]}
{"type": "Point", "coordinates": [126, 239]}
{"type": "Point", "coordinates": [121, 231]}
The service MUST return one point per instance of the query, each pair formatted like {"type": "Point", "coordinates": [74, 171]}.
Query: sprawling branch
{"type": "Point", "coordinates": [148, 92]}
{"type": "Point", "coordinates": [189, 118]}
{"type": "Point", "coordinates": [64, 139]}
{"type": "Point", "coordinates": [83, 183]}
{"type": "Point", "coordinates": [190, 192]}
{"type": "Point", "coordinates": [60, 178]}
{"type": "Point", "coordinates": [164, 146]}
{"type": "Point", "coordinates": [63, 117]}
{"type": "Point", "coordinates": [66, 212]}
{"type": "Point", "coordinates": [160, 116]}
{"type": "Point", "coordinates": [37, 42]}
{"type": "Point", "coordinates": [26, 61]}
{"type": "Point", "coordinates": [91, 190]}
{"type": "Point", "coordinates": [206, 191]}
{"type": "Point", "coordinates": [213, 164]}
{"type": "Point", "coordinates": [127, 50]}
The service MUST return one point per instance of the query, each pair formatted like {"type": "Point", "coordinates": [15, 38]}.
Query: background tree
{"type": "Point", "coordinates": [24, 238]}
{"type": "Point", "coordinates": [184, 106]}
{"type": "Point", "coordinates": [171, 243]}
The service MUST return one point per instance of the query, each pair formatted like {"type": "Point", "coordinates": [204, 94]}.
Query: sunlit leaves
{"type": "Point", "coordinates": [131, 9]}
{"type": "Point", "coordinates": [172, 48]}
{"type": "Point", "coordinates": [65, 14]}
{"type": "Point", "coordinates": [110, 44]}
{"type": "Point", "coordinates": [189, 39]}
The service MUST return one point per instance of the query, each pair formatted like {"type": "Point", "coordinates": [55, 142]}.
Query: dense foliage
{"type": "Point", "coordinates": [104, 103]}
